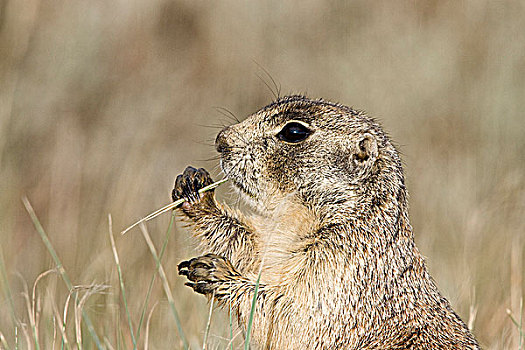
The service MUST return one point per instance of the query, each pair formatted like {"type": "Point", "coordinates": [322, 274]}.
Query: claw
{"type": "Point", "coordinates": [189, 183]}
{"type": "Point", "coordinates": [183, 265]}
{"type": "Point", "coordinates": [203, 287]}
{"type": "Point", "coordinates": [207, 272]}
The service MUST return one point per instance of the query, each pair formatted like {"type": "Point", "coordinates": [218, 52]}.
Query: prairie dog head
{"type": "Point", "coordinates": [311, 151]}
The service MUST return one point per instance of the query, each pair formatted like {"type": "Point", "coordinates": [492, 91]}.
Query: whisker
{"type": "Point", "coordinates": [212, 126]}
{"type": "Point", "coordinates": [277, 92]}
{"type": "Point", "coordinates": [227, 113]}
{"type": "Point", "coordinates": [274, 94]}
{"type": "Point", "coordinates": [212, 159]}
{"type": "Point", "coordinates": [207, 143]}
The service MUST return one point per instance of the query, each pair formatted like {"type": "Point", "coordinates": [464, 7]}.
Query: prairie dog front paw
{"type": "Point", "coordinates": [209, 273]}
{"type": "Point", "coordinates": [189, 183]}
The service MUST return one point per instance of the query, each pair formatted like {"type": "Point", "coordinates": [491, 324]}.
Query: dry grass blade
{"type": "Point", "coordinates": [78, 327]}
{"type": "Point", "coordinates": [208, 324]}
{"type": "Point", "coordinates": [26, 335]}
{"type": "Point", "coordinates": [108, 344]}
{"type": "Point", "coordinates": [62, 325]}
{"type": "Point", "coordinates": [232, 338]}
{"type": "Point", "coordinates": [35, 308]}
{"type": "Point", "coordinates": [54, 332]}
{"type": "Point", "coordinates": [518, 324]}
{"type": "Point", "coordinates": [31, 315]}
{"type": "Point", "coordinates": [79, 306]}
{"type": "Point", "coordinates": [150, 287]}
{"type": "Point", "coordinates": [165, 284]}
{"type": "Point", "coordinates": [173, 205]}
{"type": "Point", "coordinates": [4, 342]}
{"type": "Point", "coordinates": [146, 335]}
{"type": "Point", "coordinates": [59, 266]}
{"type": "Point", "coordinates": [7, 290]}
{"type": "Point", "coordinates": [121, 280]}
{"type": "Point", "coordinates": [66, 307]}
{"type": "Point", "coordinates": [473, 311]}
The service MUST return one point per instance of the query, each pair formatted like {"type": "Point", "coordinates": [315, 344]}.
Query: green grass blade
{"type": "Point", "coordinates": [208, 324]}
{"type": "Point", "coordinates": [518, 324]}
{"type": "Point", "coordinates": [121, 281]}
{"type": "Point", "coordinates": [154, 276]}
{"type": "Point", "coordinates": [165, 284]}
{"type": "Point", "coordinates": [231, 323]}
{"type": "Point", "coordinates": [252, 313]}
{"type": "Point", "coordinates": [59, 266]}
{"type": "Point", "coordinates": [6, 288]}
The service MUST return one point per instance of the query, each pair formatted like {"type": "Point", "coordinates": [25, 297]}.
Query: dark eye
{"type": "Point", "coordinates": [293, 132]}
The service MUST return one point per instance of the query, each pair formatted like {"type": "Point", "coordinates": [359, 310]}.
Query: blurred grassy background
{"type": "Point", "coordinates": [103, 103]}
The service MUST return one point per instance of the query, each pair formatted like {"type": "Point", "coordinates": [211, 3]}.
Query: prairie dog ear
{"type": "Point", "coordinates": [365, 149]}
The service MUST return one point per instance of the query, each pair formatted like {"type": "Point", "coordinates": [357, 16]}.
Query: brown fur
{"type": "Point", "coordinates": [330, 236]}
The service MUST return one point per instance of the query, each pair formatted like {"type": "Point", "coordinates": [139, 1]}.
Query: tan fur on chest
{"type": "Point", "coordinates": [286, 230]}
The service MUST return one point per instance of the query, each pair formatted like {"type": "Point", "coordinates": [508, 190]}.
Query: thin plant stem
{"type": "Point", "coordinates": [59, 266]}
{"type": "Point", "coordinates": [231, 323]}
{"type": "Point", "coordinates": [165, 284]}
{"type": "Point", "coordinates": [121, 280]}
{"type": "Point", "coordinates": [153, 277]}
{"type": "Point", "coordinates": [518, 324]}
{"type": "Point", "coordinates": [62, 326]}
{"type": "Point", "coordinates": [252, 313]}
{"type": "Point", "coordinates": [6, 288]}
{"type": "Point", "coordinates": [208, 323]}
{"type": "Point", "coordinates": [171, 206]}
{"type": "Point", "coordinates": [4, 342]}
{"type": "Point", "coordinates": [146, 337]}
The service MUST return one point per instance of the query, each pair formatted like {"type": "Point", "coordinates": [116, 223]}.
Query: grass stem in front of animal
{"type": "Point", "coordinates": [165, 284]}
{"type": "Point", "coordinates": [208, 324]}
{"type": "Point", "coordinates": [230, 316]}
{"type": "Point", "coordinates": [173, 205]}
{"type": "Point", "coordinates": [121, 281]}
{"type": "Point", "coordinates": [252, 313]}
{"type": "Point", "coordinates": [152, 280]}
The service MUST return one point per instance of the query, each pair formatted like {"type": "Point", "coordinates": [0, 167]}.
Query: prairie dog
{"type": "Point", "coordinates": [329, 235]}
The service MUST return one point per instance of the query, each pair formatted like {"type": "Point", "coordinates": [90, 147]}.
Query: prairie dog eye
{"type": "Point", "coordinates": [294, 132]}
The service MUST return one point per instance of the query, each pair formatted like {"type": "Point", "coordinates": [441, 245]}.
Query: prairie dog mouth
{"type": "Point", "coordinates": [238, 185]}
